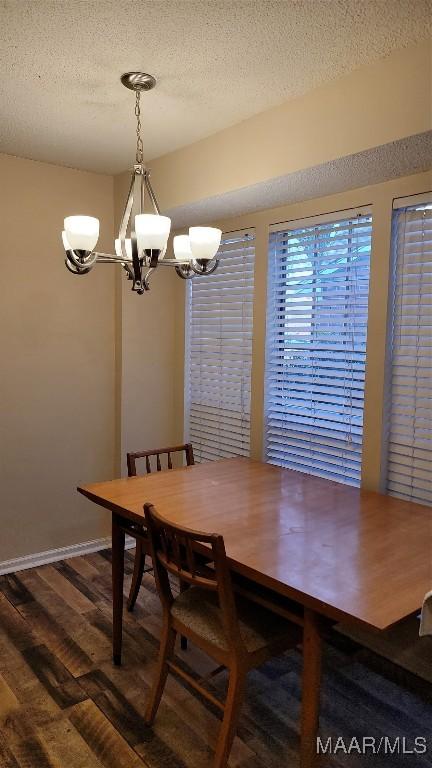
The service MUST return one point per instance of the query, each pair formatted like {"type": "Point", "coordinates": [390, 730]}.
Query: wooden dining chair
{"type": "Point", "coordinates": [155, 460]}
{"type": "Point", "coordinates": [237, 633]}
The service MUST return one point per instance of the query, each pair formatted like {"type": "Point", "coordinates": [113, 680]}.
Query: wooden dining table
{"type": "Point", "coordinates": [317, 551]}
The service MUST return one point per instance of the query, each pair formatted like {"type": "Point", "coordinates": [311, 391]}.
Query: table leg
{"type": "Point", "coordinates": [118, 546]}
{"type": "Point", "coordinates": [311, 684]}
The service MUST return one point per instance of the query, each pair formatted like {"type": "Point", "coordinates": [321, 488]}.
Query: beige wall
{"type": "Point", "coordinates": [57, 372]}
{"type": "Point", "coordinates": [374, 105]}
{"type": "Point", "coordinates": [146, 356]}
{"type": "Point", "coordinates": [380, 196]}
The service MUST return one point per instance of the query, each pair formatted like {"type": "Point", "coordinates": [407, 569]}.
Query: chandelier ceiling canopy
{"type": "Point", "coordinates": [142, 239]}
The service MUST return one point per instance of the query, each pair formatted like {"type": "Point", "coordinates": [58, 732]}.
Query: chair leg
{"type": "Point", "coordinates": [228, 729]}
{"type": "Point", "coordinates": [166, 652]}
{"type": "Point", "coordinates": [184, 585]}
{"type": "Point", "coordinates": [138, 572]}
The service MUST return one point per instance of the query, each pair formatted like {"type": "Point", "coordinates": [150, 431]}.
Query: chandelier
{"type": "Point", "coordinates": [142, 239]}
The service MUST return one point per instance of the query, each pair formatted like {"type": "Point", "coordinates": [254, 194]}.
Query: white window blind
{"type": "Point", "coordinates": [316, 344]}
{"type": "Point", "coordinates": [219, 352]}
{"type": "Point", "coordinates": [409, 465]}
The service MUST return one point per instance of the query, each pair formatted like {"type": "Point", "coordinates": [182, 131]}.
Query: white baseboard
{"type": "Point", "coordinates": [63, 553]}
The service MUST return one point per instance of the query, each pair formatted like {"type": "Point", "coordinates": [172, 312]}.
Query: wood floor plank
{"type": "Point", "coordinates": [63, 586]}
{"type": "Point", "coordinates": [20, 743]}
{"type": "Point", "coordinates": [49, 632]}
{"type": "Point", "coordinates": [117, 708]}
{"type": "Point", "coordinates": [66, 746]}
{"type": "Point", "coordinates": [7, 759]}
{"type": "Point", "coordinates": [36, 704]}
{"type": "Point", "coordinates": [102, 561]}
{"type": "Point", "coordinates": [105, 554]}
{"type": "Point", "coordinates": [111, 749]}
{"type": "Point", "coordinates": [100, 564]}
{"type": "Point", "coordinates": [14, 589]}
{"type": "Point", "coordinates": [125, 709]}
{"type": "Point", "coordinates": [65, 615]}
{"type": "Point", "coordinates": [82, 566]}
{"type": "Point", "coordinates": [94, 588]}
{"type": "Point", "coordinates": [71, 622]}
{"type": "Point", "coordinates": [31, 753]}
{"type": "Point", "coordinates": [14, 628]}
{"type": "Point", "coordinates": [57, 681]}
{"type": "Point", "coordinates": [9, 703]}
{"type": "Point", "coordinates": [372, 687]}
{"type": "Point", "coordinates": [137, 646]}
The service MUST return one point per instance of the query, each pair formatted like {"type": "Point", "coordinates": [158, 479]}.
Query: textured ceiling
{"type": "Point", "coordinates": [217, 62]}
{"type": "Point", "coordinates": [399, 158]}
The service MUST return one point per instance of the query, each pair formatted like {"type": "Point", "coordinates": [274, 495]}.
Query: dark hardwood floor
{"type": "Point", "coordinates": [64, 705]}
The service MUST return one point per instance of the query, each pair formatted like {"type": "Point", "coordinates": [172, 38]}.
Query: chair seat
{"type": "Point", "coordinates": [199, 610]}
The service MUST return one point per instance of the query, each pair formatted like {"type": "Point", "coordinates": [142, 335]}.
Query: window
{"type": "Point", "coordinates": [316, 344]}
{"type": "Point", "coordinates": [409, 464]}
{"type": "Point", "coordinates": [219, 353]}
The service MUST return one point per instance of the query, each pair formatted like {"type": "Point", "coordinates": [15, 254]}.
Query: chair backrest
{"type": "Point", "coordinates": [179, 551]}
{"type": "Point", "coordinates": [161, 458]}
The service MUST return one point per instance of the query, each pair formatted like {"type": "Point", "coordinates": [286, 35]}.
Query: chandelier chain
{"type": "Point", "coordinates": [139, 144]}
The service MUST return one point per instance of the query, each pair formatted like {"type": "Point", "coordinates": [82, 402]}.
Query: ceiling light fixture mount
{"type": "Point", "coordinates": [142, 240]}
{"type": "Point", "coordinates": [138, 81]}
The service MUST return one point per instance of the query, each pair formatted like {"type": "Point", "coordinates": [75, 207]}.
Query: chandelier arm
{"type": "Point", "coordinates": [150, 191]}
{"type": "Point", "coordinates": [128, 271]}
{"type": "Point", "coordinates": [126, 264]}
{"type": "Point", "coordinates": [172, 263]}
{"type": "Point", "coordinates": [136, 209]}
{"type": "Point", "coordinates": [106, 258]}
{"type": "Point", "coordinates": [127, 212]}
{"type": "Point", "coordinates": [79, 268]}
{"type": "Point", "coordinates": [146, 279]}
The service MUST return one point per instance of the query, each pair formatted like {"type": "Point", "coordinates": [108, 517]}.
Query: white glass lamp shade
{"type": "Point", "coordinates": [152, 231]}
{"type": "Point", "coordinates": [128, 247]}
{"type": "Point", "coordinates": [65, 242]}
{"type": "Point", "coordinates": [182, 249]}
{"type": "Point", "coordinates": [204, 242]}
{"type": "Point", "coordinates": [82, 232]}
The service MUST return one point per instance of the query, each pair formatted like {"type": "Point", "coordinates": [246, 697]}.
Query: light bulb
{"type": "Point", "coordinates": [204, 242]}
{"type": "Point", "coordinates": [182, 249]}
{"type": "Point", "coordinates": [152, 231]}
{"type": "Point", "coordinates": [128, 248]}
{"type": "Point", "coordinates": [82, 232]}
